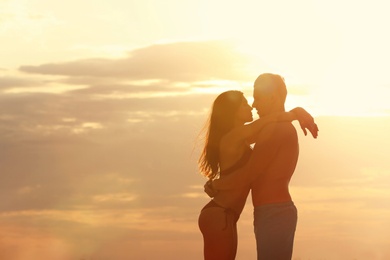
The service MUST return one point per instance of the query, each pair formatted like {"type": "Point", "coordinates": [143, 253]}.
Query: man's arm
{"type": "Point", "coordinates": [267, 146]}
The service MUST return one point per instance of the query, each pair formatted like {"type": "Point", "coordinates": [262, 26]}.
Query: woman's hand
{"type": "Point", "coordinates": [306, 121]}
{"type": "Point", "coordinates": [209, 189]}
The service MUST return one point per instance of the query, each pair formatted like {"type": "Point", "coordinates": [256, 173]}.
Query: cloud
{"type": "Point", "coordinates": [70, 147]}
{"type": "Point", "coordinates": [181, 61]}
{"type": "Point", "coordinates": [7, 82]}
{"type": "Point", "coordinates": [151, 84]}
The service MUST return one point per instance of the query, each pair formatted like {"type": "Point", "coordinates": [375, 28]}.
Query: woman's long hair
{"type": "Point", "coordinates": [220, 122]}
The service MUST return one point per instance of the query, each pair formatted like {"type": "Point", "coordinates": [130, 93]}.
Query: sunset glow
{"type": "Point", "coordinates": [102, 104]}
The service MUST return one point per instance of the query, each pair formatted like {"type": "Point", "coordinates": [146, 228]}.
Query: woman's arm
{"type": "Point", "coordinates": [237, 178]}
{"type": "Point", "coordinates": [252, 129]}
{"type": "Point", "coordinates": [267, 147]}
{"type": "Point", "coordinates": [306, 121]}
{"type": "Point", "coordinates": [249, 131]}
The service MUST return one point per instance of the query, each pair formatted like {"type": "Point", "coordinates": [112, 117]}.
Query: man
{"type": "Point", "coordinates": [273, 162]}
{"type": "Point", "coordinates": [269, 171]}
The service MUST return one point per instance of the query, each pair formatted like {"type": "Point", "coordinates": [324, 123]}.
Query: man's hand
{"type": "Point", "coordinates": [209, 189]}
{"type": "Point", "coordinates": [306, 121]}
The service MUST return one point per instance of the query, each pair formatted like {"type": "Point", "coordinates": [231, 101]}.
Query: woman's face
{"type": "Point", "coordinates": [244, 112]}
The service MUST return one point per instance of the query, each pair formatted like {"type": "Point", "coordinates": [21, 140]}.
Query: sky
{"type": "Point", "coordinates": [102, 104]}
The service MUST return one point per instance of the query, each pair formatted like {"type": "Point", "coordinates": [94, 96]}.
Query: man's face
{"type": "Point", "coordinates": [262, 103]}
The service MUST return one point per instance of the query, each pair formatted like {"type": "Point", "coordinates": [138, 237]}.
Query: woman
{"type": "Point", "coordinates": [226, 150]}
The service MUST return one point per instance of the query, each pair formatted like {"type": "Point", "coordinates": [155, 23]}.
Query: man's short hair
{"type": "Point", "coordinates": [271, 83]}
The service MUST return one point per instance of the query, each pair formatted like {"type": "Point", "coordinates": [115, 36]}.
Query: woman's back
{"type": "Point", "coordinates": [234, 154]}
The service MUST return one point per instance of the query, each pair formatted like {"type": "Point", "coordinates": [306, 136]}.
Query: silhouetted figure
{"type": "Point", "coordinates": [224, 159]}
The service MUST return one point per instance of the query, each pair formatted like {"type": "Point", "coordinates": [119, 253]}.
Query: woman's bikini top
{"type": "Point", "coordinates": [240, 163]}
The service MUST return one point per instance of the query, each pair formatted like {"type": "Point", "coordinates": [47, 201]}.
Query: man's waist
{"type": "Point", "coordinates": [261, 198]}
{"type": "Point", "coordinates": [273, 204]}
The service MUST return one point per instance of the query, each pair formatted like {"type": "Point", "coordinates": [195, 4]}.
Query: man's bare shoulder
{"type": "Point", "coordinates": [285, 128]}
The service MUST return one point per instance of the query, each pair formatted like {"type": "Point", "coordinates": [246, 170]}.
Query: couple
{"type": "Point", "coordinates": [234, 169]}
